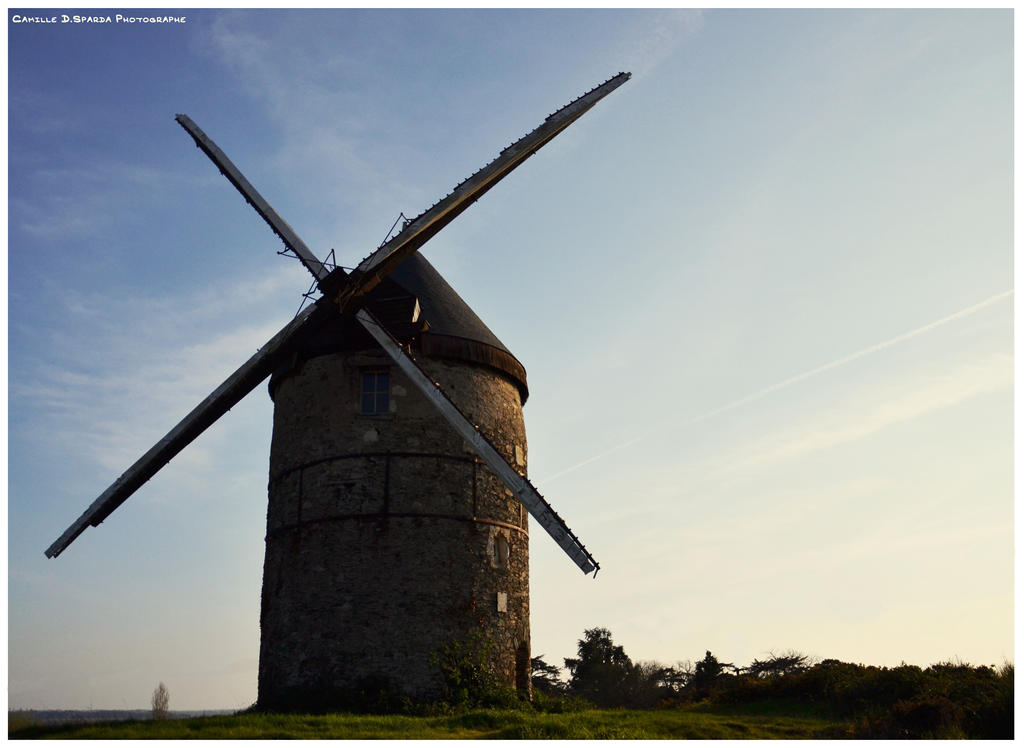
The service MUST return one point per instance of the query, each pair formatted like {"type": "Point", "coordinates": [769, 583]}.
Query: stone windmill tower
{"type": "Point", "coordinates": [364, 473]}
{"type": "Point", "coordinates": [396, 521]}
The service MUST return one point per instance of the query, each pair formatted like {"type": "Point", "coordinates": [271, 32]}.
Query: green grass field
{"type": "Point", "coordinates": [672, 724]}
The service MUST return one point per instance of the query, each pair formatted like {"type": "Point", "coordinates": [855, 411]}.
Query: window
{"type": "Point", "coordinates": [500, 551]}
{"type": "Point", "coordinates": [376, 387]}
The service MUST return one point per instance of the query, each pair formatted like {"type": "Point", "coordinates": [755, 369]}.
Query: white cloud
{"type": "Point", "coordinates": [143, 363]}
{"type": "Point", "coordinates": [329, 143]}
{"type": "Point", "coordinates": [87, 199]}
{"type": "Point", "coordinates": [41, 113]}
{"type": "Point", "coordinates": [869, 412]}
{"type": "Point", "coordinates": [981, 377]}
{"type": "Point", "coordinates": [61, 216]}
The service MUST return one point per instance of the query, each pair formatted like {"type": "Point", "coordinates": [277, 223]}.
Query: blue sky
{"type": "Point", "coordinates": [763, 294]}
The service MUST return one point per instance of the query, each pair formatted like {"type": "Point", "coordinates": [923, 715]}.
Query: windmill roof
{"type": "Point", "coordinates": [451, 318]}
{"type": "Point", "coordinates": [452, 330]}
{"type": "Point", "coordinates": [444, 309]}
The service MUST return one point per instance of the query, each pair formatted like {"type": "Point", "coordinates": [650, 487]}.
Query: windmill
{"type": "Point", "coordinates": [398, 495]}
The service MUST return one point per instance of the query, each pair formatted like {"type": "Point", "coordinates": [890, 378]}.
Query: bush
{"type": "Point", "coordinates": [988, 704]}
{"type": "Point", "coordinates": [468, 679]}
{"type": "Point", "coordinates": [929, 717]}
{"type": "Point", "coordinates": [947, 700]}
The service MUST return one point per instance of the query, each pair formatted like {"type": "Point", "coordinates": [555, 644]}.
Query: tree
{"type": "Point", "coordinates": [161, 702]}
{"type": "Point", "coordinates": [707, 673]}
{"type": "Point", "coordinates": [601, 670]}
{"type": "Point", "coordinates": [546, 678]}
{"type": "Point", "coordinates": [649, 683]}
{"type": "Point", "coordinates": [776, 665]}
{"type": "Point", "coordinates": [678, 678]}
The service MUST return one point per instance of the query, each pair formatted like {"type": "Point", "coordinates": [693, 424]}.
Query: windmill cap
{"type": "Point", "coordinates": [447, 327]}
{"type": "Point", "coordinates": [455, 329]}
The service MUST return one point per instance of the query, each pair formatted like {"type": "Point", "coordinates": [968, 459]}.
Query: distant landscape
{"type": "Point", "coordinates": [91, 716]}
{"type": "Point", "coordinates": [602, 694]}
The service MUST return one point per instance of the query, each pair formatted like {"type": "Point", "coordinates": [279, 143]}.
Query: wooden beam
{"type": "Point", "coordinates": [254, 198]}
{"type": "Point", "coordinates": [352, 289]}
{"type": "Point", "coordinates": [222, 399]}
{"type": "Point", "coordinates": [418, 231]}
{"type": "Point", "coordinates": [521, 488]}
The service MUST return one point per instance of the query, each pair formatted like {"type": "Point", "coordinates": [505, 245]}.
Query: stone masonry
{"type": "Point", "coordinates": [386, 537]}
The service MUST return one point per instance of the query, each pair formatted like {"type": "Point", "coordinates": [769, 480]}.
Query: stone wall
{"type": "Point", "coordinates": [386, 537]}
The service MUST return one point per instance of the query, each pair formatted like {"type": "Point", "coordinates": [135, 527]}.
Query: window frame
{"type": "Point", "coordinates": [379, 397]}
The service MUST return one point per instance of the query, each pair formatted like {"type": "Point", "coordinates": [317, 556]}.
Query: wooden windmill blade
{"type": "Point", "coordinates": [243, 381]}
{"type": "Point", "coordinates": [388, 256]}
{"type": "Point", "coordinates": [419, 230]}
{"type": "Point", "coordinates": [519, 485]}
{"type": "Point", "coordinates": [347, 292]}
{"type": "Point", "coordinates": [277, 224]}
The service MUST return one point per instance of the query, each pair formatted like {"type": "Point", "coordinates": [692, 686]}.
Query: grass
{"type": "Point", "coordinates": [674, 724]}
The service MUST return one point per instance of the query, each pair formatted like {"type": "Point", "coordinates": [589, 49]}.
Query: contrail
{"type": "Point", "coordinates": [967, 311]}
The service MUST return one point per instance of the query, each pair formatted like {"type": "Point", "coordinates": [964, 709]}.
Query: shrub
{"type": "Point", "coordinates": [922, 717]}
{"type": "Point", "coordinates": [468, 679]}
{"type": "Point", "coordinates": [946, 700]}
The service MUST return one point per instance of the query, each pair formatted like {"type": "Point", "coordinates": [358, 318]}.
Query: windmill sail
{"type": "Point", "coordinates": [422, 228]}
{"type": "Point", "coordinates": [521, 488]}
{"type": "Point", "coordinates": [254, 198]}
{"type": "Point", "coordinates": [219, 402]}
{"type": "Point", "coordinates": [418, 231]}
{"type": "Point", "coordinates": [345, 292]}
